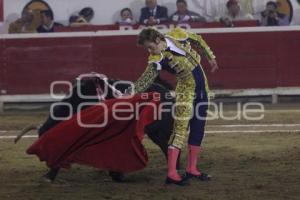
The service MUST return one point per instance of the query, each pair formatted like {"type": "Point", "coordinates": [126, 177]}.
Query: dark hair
{"type": "Point", "coordinates": [272, 3]}
{"type": "Point", "coordinates": [230, 3]}
{"type": "Point", "coordinates": [86, 12]}
{"type": "Point", "coordinates": [149, 34]}
{"type": "Point", "coordinates": [73, 18]}
{"type": "Point", "coordinates": [181, 1]}
{"type": "Point", "coordinates": [126, 9]}
{"type": "Point", "coordinates": [47, 13]}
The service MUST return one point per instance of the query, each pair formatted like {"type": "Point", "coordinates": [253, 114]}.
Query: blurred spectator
{"type": "Point", "coordinates": [24, 24]}
{"type": "Point", "coordinates": [234, 13]}
{"type": "Point", "coordinates": [84, 18]}
{"type": "Point", "coordinates": [271, 17]}
{"type": "Point", "coordinates": [86, 15]}
{"type": "Point", "coordinates": [73, 18]}
{"type": "Point", "coordinates": [48, 25]}
{"type": "Point", "coordinates": [184, 15]}
{"type": "Point", "coordinates": [126, 17]}
{"type": "Point", "coordinates": [153, 14]}
{"type": "Point", "coordinates": [212, 10]}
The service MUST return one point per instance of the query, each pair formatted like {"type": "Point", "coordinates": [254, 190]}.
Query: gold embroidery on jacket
{"type": "Point", "coordinates": [183, 67]}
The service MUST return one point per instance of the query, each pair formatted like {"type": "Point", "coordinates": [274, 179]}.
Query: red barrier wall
{"type": "Point", "coordinates": [1, 11]}
{"type": "Point", "coordinates": [247, 60]}
{"type": "Point", "coordinates": [2, 67]}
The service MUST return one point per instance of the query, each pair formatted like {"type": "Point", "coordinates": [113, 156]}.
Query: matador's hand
{"type": "Point", "coordinates": [214, 65]}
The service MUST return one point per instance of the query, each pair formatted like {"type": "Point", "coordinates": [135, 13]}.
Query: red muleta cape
{"type": "Point", "coordinates": [116, 146]}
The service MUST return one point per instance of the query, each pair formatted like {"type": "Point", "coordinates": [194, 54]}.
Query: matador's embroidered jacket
{"type": "Point", "coordinates": [179, 58]}
{"type": "Point", "coordinates": [182, 60]}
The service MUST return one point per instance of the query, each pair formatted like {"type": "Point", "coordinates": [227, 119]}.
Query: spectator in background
{"type": "Point", "coordinates": [24, 24]}
{"type": "Point", "coordinates": [126, 17]}
{"type": "Point", "coordinates": [234, 13]}
{"type": "Point", "coordinates": [84, 17]}
{"type": "Point", "coordinates": [48, 25]}
{"type": "Point", "coordinates": [153, 14]}
{"type": "Point", "coordinates": [73, 18]}
{"type": "Point", "coordinates": [271, 17]}
{"type": "Point", "coordinates": [184, 15]}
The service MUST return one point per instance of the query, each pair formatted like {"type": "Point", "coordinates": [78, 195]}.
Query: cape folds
{"type": "Point", "coordinates": [117, 146]}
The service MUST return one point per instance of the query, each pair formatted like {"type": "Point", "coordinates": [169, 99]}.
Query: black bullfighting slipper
{"type": "Point", "coordinates": [50, 176]}
{"type": "Point", "coordinates": [182, 182]}
{"type": "Point", "coordinates": [117, 176]}
{"type": "Point", "coordinates": [201, 177]}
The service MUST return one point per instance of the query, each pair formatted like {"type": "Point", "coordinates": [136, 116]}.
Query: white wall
{"type": "Point", "coordinates": [296, 18]}
{"type": "Point", "coordinates": [107, 11]}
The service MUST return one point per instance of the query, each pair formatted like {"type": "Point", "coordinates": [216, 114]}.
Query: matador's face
{"type": "Point", "coordinates": [156, 47]}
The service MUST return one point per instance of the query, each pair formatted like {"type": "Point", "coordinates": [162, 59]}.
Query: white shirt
{"type": "Point", "coordinates": [174, 48]}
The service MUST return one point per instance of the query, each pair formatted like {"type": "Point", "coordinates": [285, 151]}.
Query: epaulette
{"type": "Point", "coordinates": [178, 34]}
